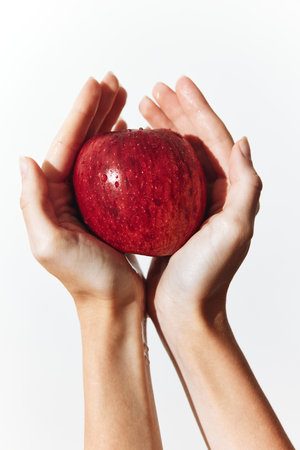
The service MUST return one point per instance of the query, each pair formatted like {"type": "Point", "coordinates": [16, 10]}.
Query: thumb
{"type": "Point", "coordinates": [245, 184]}
{"type": "Point", "coordinates": [38, 211]}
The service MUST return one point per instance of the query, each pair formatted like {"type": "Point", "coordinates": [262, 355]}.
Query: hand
{"type": "Point", "coordinates": [202, 269]}
{"type": "Point", "coordinates": [107, 289]}
{"type": "Point", "coordinates": [187, 292]}
{"type": "Point", "coordinates": [89, 268]}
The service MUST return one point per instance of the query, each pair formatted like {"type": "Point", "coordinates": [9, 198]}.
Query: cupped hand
{"type": "Point", "coordinates": [88, 267]}
{"type": "Point", "coordinates": [197, 276]}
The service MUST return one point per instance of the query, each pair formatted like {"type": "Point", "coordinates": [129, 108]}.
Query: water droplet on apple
{"type": "Point", "coordinates": [112, 175]}
{"type": "Point", "coordinates": [117, 184]}
{"type": "Point", "coordinates": [104, 177]}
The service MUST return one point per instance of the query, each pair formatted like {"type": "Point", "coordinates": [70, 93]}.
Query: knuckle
{"type": "Point", "coordinates": [256, 182]}
{"type": "Point", "coordinates": [242, 236]}
{"type": "Point", "coordinates": [257, 208]}
{"type": "Point", "coordinates": [60, 141]}
{"type": "Point", "coordinates": [63, 142]}
{"type": "Point", "coordinates": [45, 249]}
{"type": "Point", "coordinates": [241, 231]}
{"type": "Point", "coordinates": [83, 112]}
{"type": "Point", "coordinates": [23, 203]}
{"type": "Point", "coordinates": [31, 204]}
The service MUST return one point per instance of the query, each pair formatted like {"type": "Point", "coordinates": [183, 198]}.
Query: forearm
{"type": "Point", "coordinates": [119, 409]}
{"type": "Point", "coordinates": [230, 405]}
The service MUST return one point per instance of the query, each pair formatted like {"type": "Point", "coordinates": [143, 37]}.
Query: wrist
{"type": "Point", "coordinates": [107, 328]}
{"type": "Point", "coordinates": [95, 311]}
{"type": "Point", "coordinates": [180, 324]}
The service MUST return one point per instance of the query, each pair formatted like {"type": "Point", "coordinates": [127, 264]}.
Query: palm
{"type": "Point", "coordinates": [191, 116]}
{"type": "Point", "coordinates": [96, 264]}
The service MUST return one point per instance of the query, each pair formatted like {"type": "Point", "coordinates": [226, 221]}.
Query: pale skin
{"type": "Point", "coordinates": [108, 291]}
{"type": "Point", "coordinates": [185, 294]}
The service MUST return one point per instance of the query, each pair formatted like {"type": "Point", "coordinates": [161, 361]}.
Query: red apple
{"type": "Point", "coordinates": [141, 191]}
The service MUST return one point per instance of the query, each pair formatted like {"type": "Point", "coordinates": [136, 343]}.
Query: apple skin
{"type": "Point", "coordinates": [141, 191]}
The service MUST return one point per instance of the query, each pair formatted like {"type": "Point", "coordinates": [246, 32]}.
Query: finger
{"type": "Point", "coordinates": [110, 87]}
{"type": "Point", "coordinates": [38, 212]}
{"type": "Point", "coordinates": [61, 155]}
{"type": "Point", "coordinates": [115, 111]}
{"type": "Point", "coordinates": [210, 129]}
{"type": "Point", "coordinates": [154, 115]}
{"type": "Point", "coordinates": [242, 201]}
{"type": "Point", "coordinates": [121, 125]}
{"type": "Point", "coordinates": [169, 104]}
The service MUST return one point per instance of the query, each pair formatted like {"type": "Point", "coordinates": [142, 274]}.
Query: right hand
{"type": "Point", "coordinates": [88, 267]}
{"type": "Point", "coordinates": [197, 276]}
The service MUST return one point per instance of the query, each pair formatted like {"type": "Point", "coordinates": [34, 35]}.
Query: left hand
{"type": "Point", "coordinates": [87, 266]}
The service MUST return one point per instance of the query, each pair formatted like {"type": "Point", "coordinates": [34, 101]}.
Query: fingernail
{"type": "Point", "coordinates": [156, 93]}
{"type": "Point", "coordinates": [109, 74]}
{"type": "Point", "coordinates": [144, 100]}
{"type": "Point", "coordinates": [23, 165]}
{"type": "Point", "coordinates": [245, 148]}
{"type": "Point", "coordinates": [158, 88]}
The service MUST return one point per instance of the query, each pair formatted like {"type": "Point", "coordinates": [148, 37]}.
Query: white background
{"type": "Point", "coordinates": [245, 56]}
